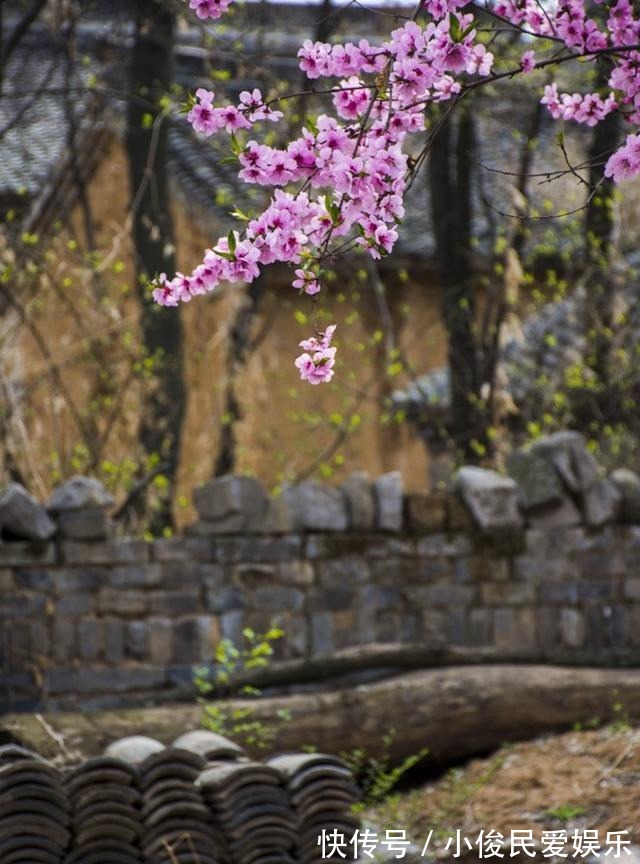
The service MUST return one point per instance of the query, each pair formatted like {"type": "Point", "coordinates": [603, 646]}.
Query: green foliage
{"type": "Point", "coordinates": [378, 776]}
{"type": "Point", "coordinates": [565, 812]}
{"type": "Point", "coordinates": [220, 680]}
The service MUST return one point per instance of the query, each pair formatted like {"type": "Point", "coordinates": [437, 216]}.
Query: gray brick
{"type": "Point", "coordinates": [212, 575]}
{"type": "Point", "coordinates": [74, 604]}
{"type": "Point", "coordinates": [225, 600]}
{"type": "Point", "coordinates": [81, 578]}
{"type": "Point", "coordinates": [179, 575]}
{"type": "Point", "coordinates": [342, 572]}
{"type": "Point", "coordinates": [231, 624]}
{"type": "Point", "coordinates": [160, 640]}
{"type": "Point", "coordinates": [174, 603]}
{"type": "Point", "coordinates": [129, 603]}
{"type": "Point", "coordinates": [185, 549]}
{"type": "Point", "coordinates": [119, 551]}
{"type": "Point", "coordinates": [333, 599]}
{"type": "Point", "coordinates": [278, 598]}
{"type": "Point", "coordinates": [435, 627]}
{"type": "Point", "coordinates": [33, 580]}
{"type": "Point", "coordinates": [457, 625]}
{"type": "Point", "coordinates": [23, 606]}
{"type": "Point", "coordinates": [186, 641]}
{"type": "Point", "coordinates": [64, 640]}
{"type": "Point", "coordinates": [40, 639]}
{"type": "Point", "coordinates": [596, 590]}
{"type": "Point", "coordinates": [446, 594]}
{"type": "Point", "coordinates": [508, 593]}
{"type": "Point", "coordinates": [439, 545]}
{"type": "Point", "coordinates": [479, 627]}
{"type": "Point", "coordinates": [321, 633]}
{"type": "Point", "coordinates": [113, 641]}
{"type": "Point", "coordinates": [300, 573]}
{"type": "Point", "coordinates": [90, 635]}
{"type": "Point", "coordinates": [559, 592]}
{"type": "Point", "coordinates": [136, 576]}
{"type": "Point", "coordinates": [137, 639]}
{"type": "Point", "coordinates": [572, 628]}
{"type": "Point", "coordinates": [632, 588]}
{"type": "Point", "coordinates": [209, 636]}
{"type": "Point", "coordinates": [7, 583]}
{"type": "Point", "coordinates": [27, 554]}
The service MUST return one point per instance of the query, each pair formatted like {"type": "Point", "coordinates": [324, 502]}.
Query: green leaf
{"type": "Point", "coordinates": [231, 240]}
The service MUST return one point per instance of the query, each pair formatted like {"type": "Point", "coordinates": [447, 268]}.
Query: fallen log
{"type": "Point", "coordinates": [454, 711]}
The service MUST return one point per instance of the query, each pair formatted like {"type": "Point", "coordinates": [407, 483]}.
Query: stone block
{"type": "Point", "coordinates": [40, 639]}
{"type": "Point", "coordinates": [601, 503]}
{"type": "Point", "coordinates": [632, 588]}
{"type": "Point", "coordinates": [27, 554]}
{"type": "Point", "coordinates": [226, 497]}
{"type": "Point", "coordinates": [278, 598]}
{"type": "Point", "coordinates": [508, 593]}
{"type": "Point", "coordinates": [136, 639]}
{"type": "Point", "coordinates": [160, 640]}
{"type": "Point", "coordinates": [221, 600]}
{"type": "Point", "coordinates": [208, 637]}
{"type": "Point", "coordinates": [299, 573]}
{"type": "Point", "coordinates": [562, 514]}
{"type": "Point", "coordinates": [23, 606]}
{"type": "Point", "coordinates": [22, 517]}
{"type": "Point", "coordinates": [492, 500]}
{"type": "Point", "coordinates": [561, 593]}
{"type": "Point", "coordinates": [321, 633]}
{"type": "Point", "coordinates": [479, 627]}
{"type": "Point", "coordinates": [360, 501]}
{"type": "Point", "coordinates": [278, 518]}
{"type": "Point", "coordinates": [136, 576]}
{"type": "Point", "coordinates": [426, 512]}
{"type": "Point", "coordinates": [180, 549]}
{"type": "Point", "coordinates": [186, 641]}
{"type": "Point", "coordinates": [389, 500]}
{"type": "Point", "coordinates": [514, 629]}
{"type": "Point", "coordinates": [567, 452]}
{"type": "Point", "coordinates": [90, 639]}
{"type": "Point", "coordinates": [32, 580]}
{"type": "Point", "coordinates": [88, 524]}
{"type": "Point", "coordinates": [317, 507]}
{"type": "Point", "coordinates": [174, 603]}
{"type": "Point", "coordinates": [79, 493]}
{"type": "Point", "coordinates": [8, 584]}
{"type": "Point", "coordinates": [572, 628]}
{"type": "Point", "coordinates": [127, 602]}
{"type": "Point", "coordinates": [231, 626]}
{"type": "Point", "coordinates": [335, 599]}
{"type": "Point", "coordinates": [116, 551]}
{"type": "Point", "coordinates": [343, 572]}
{"type": "Point", "coordinates": [538, 482]}
{"type": "Point", "coordinates": [80, 603]}
{"type": "Point", "coordinates": [113, 641]}
{"type": "Point", "coordinates": [628, 484]}
{"type": "Point", "coordinates": [75, 579]}
{"type": "Point", "coordinates": [64, 640]}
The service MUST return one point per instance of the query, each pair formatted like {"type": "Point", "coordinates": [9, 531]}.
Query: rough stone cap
{"type": "Point", "coordinates": [77, 493]}
{"type": "Point", "coordinates": [23, 516]}
{"type": "Point", "coordinates": [491, 499]}
{"type": "Point", "coordinates": [228, 496]}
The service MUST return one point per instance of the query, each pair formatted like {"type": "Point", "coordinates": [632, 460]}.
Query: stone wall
{"type": "Point", "coordinates": [107, 621]}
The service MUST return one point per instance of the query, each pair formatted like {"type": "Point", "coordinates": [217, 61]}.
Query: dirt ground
{"type": "Point", "coordinates": [584, 779]}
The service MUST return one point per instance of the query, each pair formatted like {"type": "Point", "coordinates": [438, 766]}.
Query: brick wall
{"type": "Point", "coordinates": [122, 622]}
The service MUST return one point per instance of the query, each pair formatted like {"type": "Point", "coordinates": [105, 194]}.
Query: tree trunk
{"type": "Point", "coordinates": [450, 178]}
{"type": "Point", "coordinates": [151, 76]}
{"type": "Point", "coordinates": [599, 225]}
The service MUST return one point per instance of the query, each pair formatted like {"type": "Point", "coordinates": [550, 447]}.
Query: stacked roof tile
{"type": "Point", "coordinates": [199, 801]}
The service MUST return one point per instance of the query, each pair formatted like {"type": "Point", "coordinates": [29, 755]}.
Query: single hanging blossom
{"type": "Point", "coordinates": [209, 8]}
{"type": "Point", "coordinates": [316, 364]}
